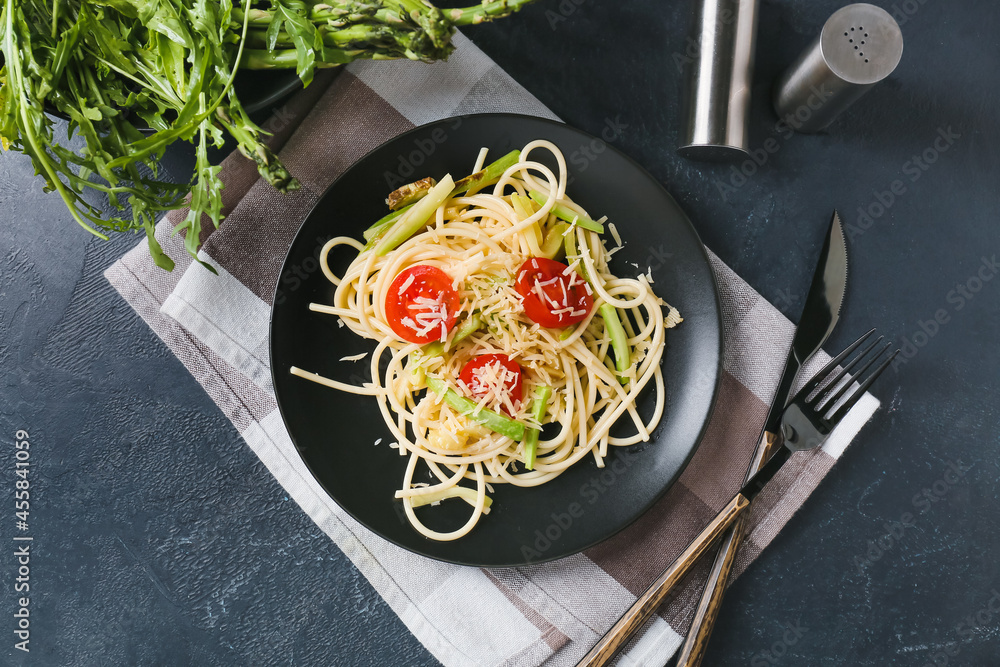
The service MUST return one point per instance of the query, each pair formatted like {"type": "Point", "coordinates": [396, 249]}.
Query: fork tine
{"type": "Point", "coordinates": [831, 398]}
{"type": "Point", "coordinates": [856, 396]}
{"type": "Point", "coordinates": [810, 386]}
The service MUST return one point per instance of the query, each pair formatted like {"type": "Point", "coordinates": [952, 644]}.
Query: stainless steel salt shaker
{"type": "Point", "coordinates": [860, 45]}
{"type": "Point", "coordinates": [721, 72]}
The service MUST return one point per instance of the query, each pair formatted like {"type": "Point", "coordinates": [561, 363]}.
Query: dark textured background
{"type": "Point", "coordinates": [159, 538]}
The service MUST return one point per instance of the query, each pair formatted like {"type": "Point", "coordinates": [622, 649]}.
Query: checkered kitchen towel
{"type": "Point", "coordinates": [550, 613]}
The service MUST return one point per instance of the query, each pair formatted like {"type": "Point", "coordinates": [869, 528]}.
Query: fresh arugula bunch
{"type": "Point", "coordinates": [133, 76]}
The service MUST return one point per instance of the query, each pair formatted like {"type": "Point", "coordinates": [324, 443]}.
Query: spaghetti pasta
{"type": "Point", "coordinates": [529, 369]}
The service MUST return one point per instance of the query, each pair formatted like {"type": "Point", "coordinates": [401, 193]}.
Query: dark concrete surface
{"type": "Point", "coordinates": [159, 539]}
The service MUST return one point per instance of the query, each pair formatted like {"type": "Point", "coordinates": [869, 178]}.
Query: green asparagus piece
{"type": "Point", "coordinates": [531, 437]}
{"type": "Point", "coordinates": [471, 325]}
{"type": "Point", "coordinates": [416, 218]}
{"type": "Point", "coordinates": [430, 350]}
{"type": "Point", "coordinates": [494, 421]}
{"type": "Point", "coordinates": [487, 174]}
{"type": "Point", "coordinates": [377, 230]}
{"type": "Point", "coordinates": [553, 244]}
{"type": "Point", "coordinates": [619, 341]}
{"type": "Point", "coordinates": [570, 246]}
{"type": "Point", "coordinates": [463, 492]}
{"type": "Point", "coordinates": [487, 11]}
{"type": "Point", "coordinates": [569, 216]}
{"type": "Point", "coordinates": [525, 208]}
{"type": "Point", "coordinates": [410, 193]}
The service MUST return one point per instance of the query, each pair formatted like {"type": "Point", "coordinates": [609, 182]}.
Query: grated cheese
{"type": "Point", "coordinates": [406, 284]}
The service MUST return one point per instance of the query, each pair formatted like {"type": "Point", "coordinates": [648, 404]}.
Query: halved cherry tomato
{"type": "Point", "coordinates": [554, 296]}
{"type": "Point", "coordinates": [478, 375]}
{"type": "Point", "coordinates": [421, 305]}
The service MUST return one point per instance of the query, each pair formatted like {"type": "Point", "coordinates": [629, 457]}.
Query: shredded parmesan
{"type": "Point", "coordinates": [406, 284]}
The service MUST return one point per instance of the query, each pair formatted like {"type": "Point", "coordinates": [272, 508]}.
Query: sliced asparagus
{"type": "Point", "coordinates": [416, 218]}
{"type": "Point", "coordinates": [619, 341]}
{"type": "Point", "coordinates": [553, 246]}
{"type": "Point", "coordinates": [538, 413]}
{"type": "Point", "coordinates": [569, 216]}
{"type": "Point", "coordinates": [377, 230]}
{"type": "Point", "coordinates": [494, 421]}
{"type": "Point", "coordinates": [463, 492]}
{"type": "Point", "coordinates": [488, 173]}
{"type": "Point", "coordinates": [409, 193]}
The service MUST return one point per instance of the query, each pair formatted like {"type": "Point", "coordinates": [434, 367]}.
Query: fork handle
{"type": "Point", "coordinates": [649, 601]}
{"type": "Point", "coordinates": [693, 650]}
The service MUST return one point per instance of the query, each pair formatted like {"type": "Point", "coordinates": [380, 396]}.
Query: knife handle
{"type": "Point", "coordinates": [696, 643]}
{"type": "Point", "coordinates": [648, 602]}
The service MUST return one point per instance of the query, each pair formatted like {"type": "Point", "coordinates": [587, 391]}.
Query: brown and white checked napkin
{"type": "Point", "coordinates": [550, 613]}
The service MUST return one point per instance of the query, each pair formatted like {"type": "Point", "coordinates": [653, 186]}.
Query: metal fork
{"type": "Point", "coordinates": [806, 423]}
{"type": "Point", "coordinates": [812, 415]}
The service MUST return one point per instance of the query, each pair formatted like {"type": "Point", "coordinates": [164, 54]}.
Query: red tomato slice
{"type": "Point", "coordinates": [493, 376]}
{"type": "Point", "coordinates": [421, 305]}
{"type": "Point", "coordinates": [553, 295]}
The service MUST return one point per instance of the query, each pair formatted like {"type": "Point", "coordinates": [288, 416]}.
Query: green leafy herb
{"type": "Point", "coordinates": [167, 66]}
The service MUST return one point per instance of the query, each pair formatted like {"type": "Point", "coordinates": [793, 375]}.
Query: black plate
{"type": "Point", "coordinates": [335, 432]}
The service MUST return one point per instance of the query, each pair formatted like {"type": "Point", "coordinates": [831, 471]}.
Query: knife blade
{"type": "Point", "coordinates": [819, 317]}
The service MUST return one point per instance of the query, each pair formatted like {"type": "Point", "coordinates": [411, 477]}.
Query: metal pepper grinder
{"type": "Point", "coordinates": [717, 109]}
{"type": "Point", "coordinates": [859, 46]}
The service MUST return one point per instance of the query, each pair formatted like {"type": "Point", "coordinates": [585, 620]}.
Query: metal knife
{"type": "Point", "coordinates": [819, 317]}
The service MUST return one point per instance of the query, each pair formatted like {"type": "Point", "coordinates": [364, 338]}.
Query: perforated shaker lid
{"type": "Point", "coordinates": [862, 43]}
